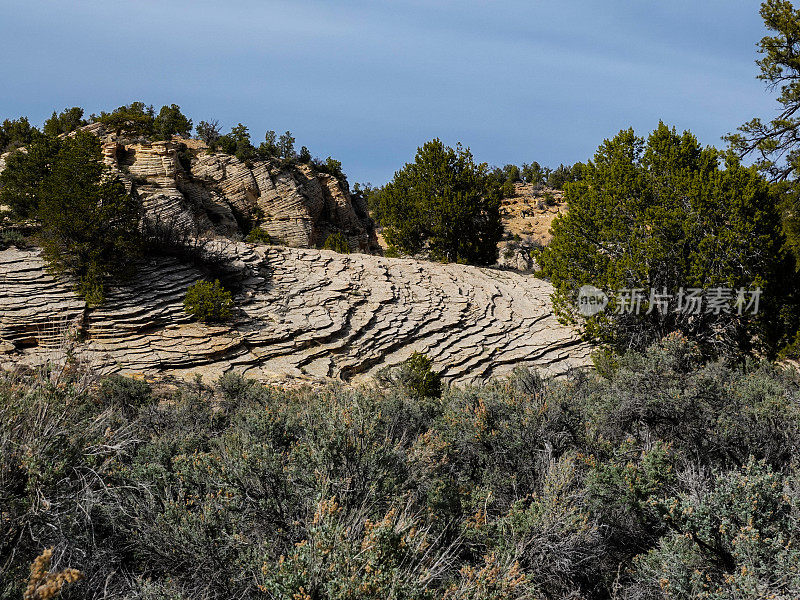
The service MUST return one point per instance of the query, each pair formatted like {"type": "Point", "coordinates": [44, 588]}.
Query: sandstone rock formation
{"type": "Point", "coordinates": [301, 314]}
{"type": "Point", "coordinates": [183, 185]}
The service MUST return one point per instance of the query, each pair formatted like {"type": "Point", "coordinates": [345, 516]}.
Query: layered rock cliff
{"type": "Point", "coordinates": [301, 314]}
{"type": "Point", "coordinates": [183, 184]}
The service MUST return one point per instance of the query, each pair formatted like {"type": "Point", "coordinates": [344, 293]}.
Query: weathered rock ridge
{"type": "Point", "coordinates": [300, 314]}
{"type": "Point", "coordinates": [183, 185]}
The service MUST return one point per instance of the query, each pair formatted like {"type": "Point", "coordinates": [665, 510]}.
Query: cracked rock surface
{"type": "Point", "coordinates": [301, 314]}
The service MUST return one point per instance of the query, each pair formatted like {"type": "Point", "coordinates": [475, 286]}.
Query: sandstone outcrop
{"type": "Point", "coordinates": [302, 314]}
{"type": "Point", "coordinates": [183, 185]}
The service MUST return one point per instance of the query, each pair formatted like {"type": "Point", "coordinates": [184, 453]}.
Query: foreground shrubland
{"type": "Point", "coordinates": [663, 478]}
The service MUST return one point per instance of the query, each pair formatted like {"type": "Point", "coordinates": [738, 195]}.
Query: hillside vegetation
{"type": "Point", "coordinates": [665, 477]}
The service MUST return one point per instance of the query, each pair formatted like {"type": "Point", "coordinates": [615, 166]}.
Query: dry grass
{"type": "Point", "coordinates": [44, 584]}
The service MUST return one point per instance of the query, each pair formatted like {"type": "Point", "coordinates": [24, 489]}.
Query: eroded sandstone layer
{"type": "Point", "coordinates": [300, 314]}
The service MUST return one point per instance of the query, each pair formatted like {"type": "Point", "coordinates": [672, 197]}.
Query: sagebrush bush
{"type": "Point", "coordinates": [44, 584]}
{"type": "Point", "coordinates": [665, 478]}
{"type": "Point", "coordinates": [733, 534]}
{"type": "Point", "coordinates": [208, 302]}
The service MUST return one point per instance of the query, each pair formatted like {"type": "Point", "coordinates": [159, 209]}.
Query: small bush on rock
{"type": "Point", "coordinates": [208, 302]}
{"type": "Point", "coordinates": [337, 242]}
{"type": "Point", "coordinates": [258, 236]}
{"type": "Point", "coordinates": [415, 376]}
{"type": "Point", "coordinates": [11, 238]}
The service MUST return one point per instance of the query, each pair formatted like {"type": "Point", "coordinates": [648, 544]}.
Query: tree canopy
{"type": "Point", "coordinates": [135, 118]}
{"type": "Point", "coordinates": [776, 144]}
{"type": "Point", "coordinates": [662, 215]}
{"type": "Point", "coordinates": [66, 121]}
{"type": "Point", "coordinates": [15, 133]}
{"type": "Point", "coordinates": [442, 204]}
{"type": "Point", "coordinates": [171, 121]}
{"type": "Point", "coordinates": [89, 223]}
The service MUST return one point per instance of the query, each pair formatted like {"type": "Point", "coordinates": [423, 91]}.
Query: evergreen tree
{"type": "Point", "coordinates": [66, 121]}
{"type": "Point", "coordinates": [209, 132]}
{"type": "Point", "coordinates": [89, 223]}
{"type": "Point", "coordinates": [269, 147]}
{"type": "Point", "coordinates": [775, 145]}
{"type": "Point", "coordinates": [16, 133]}
{"type": "Point", "coordinates": [660, 215]}
{"type": "Point", "coordinates": [133, 119]}
{"type": "Point", "coordinates": [286, 145]}
{"type": "Point", "coordinates": [443, 204]}
{"type": "Point", "coordinates": [237, 142]}
{"type": "Point", "coordinates": [532, 173]}
{"type": "Point", "coordinates": [171, 121]}
{"type": "Point", "coordinates": [21, 180]}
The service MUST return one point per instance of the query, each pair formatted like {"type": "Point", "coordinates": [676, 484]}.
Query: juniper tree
{"type": "Point", "coordinates": [443, 204]}
{"type": "Point", "coordinates": [663, 214]}
{"type": "Point", "coordinates": [171, 121]}
{"type": "Point", "coordinates": [209, 132]}
{"type": "Point", "coordinates": [89, 223]}
{"type": "Point", "coordinates": [135, 118]}
{"type": "Point", "coordinates": [66, 121]}
{"type": "Point", "coordinates": [286, 145]}
{"type": "Point", "coordinates": [775, 144]}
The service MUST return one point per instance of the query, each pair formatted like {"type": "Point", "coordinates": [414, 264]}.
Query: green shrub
{"type": "Point", "coordinates": [11, 237]}
{"type": "Point", "coordinates": [124, 393]}
{"type": "Point", "coordinates": [415, 376]}
{"type": "Point", "coordinates": [208, 302]}
{"type": "Point", "coordinates": [258, 236]}
{"type": "Point", "coordinates": [605, 362]}
{"type": "Point", "coordinates": [337, 242]}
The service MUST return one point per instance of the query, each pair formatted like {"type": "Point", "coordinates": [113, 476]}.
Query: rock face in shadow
{"type": "Point", "coordinates": [300, 315]}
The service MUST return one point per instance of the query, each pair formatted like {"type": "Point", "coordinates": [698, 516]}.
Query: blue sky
{"type": "Point", "coordinates": [367, 81]}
